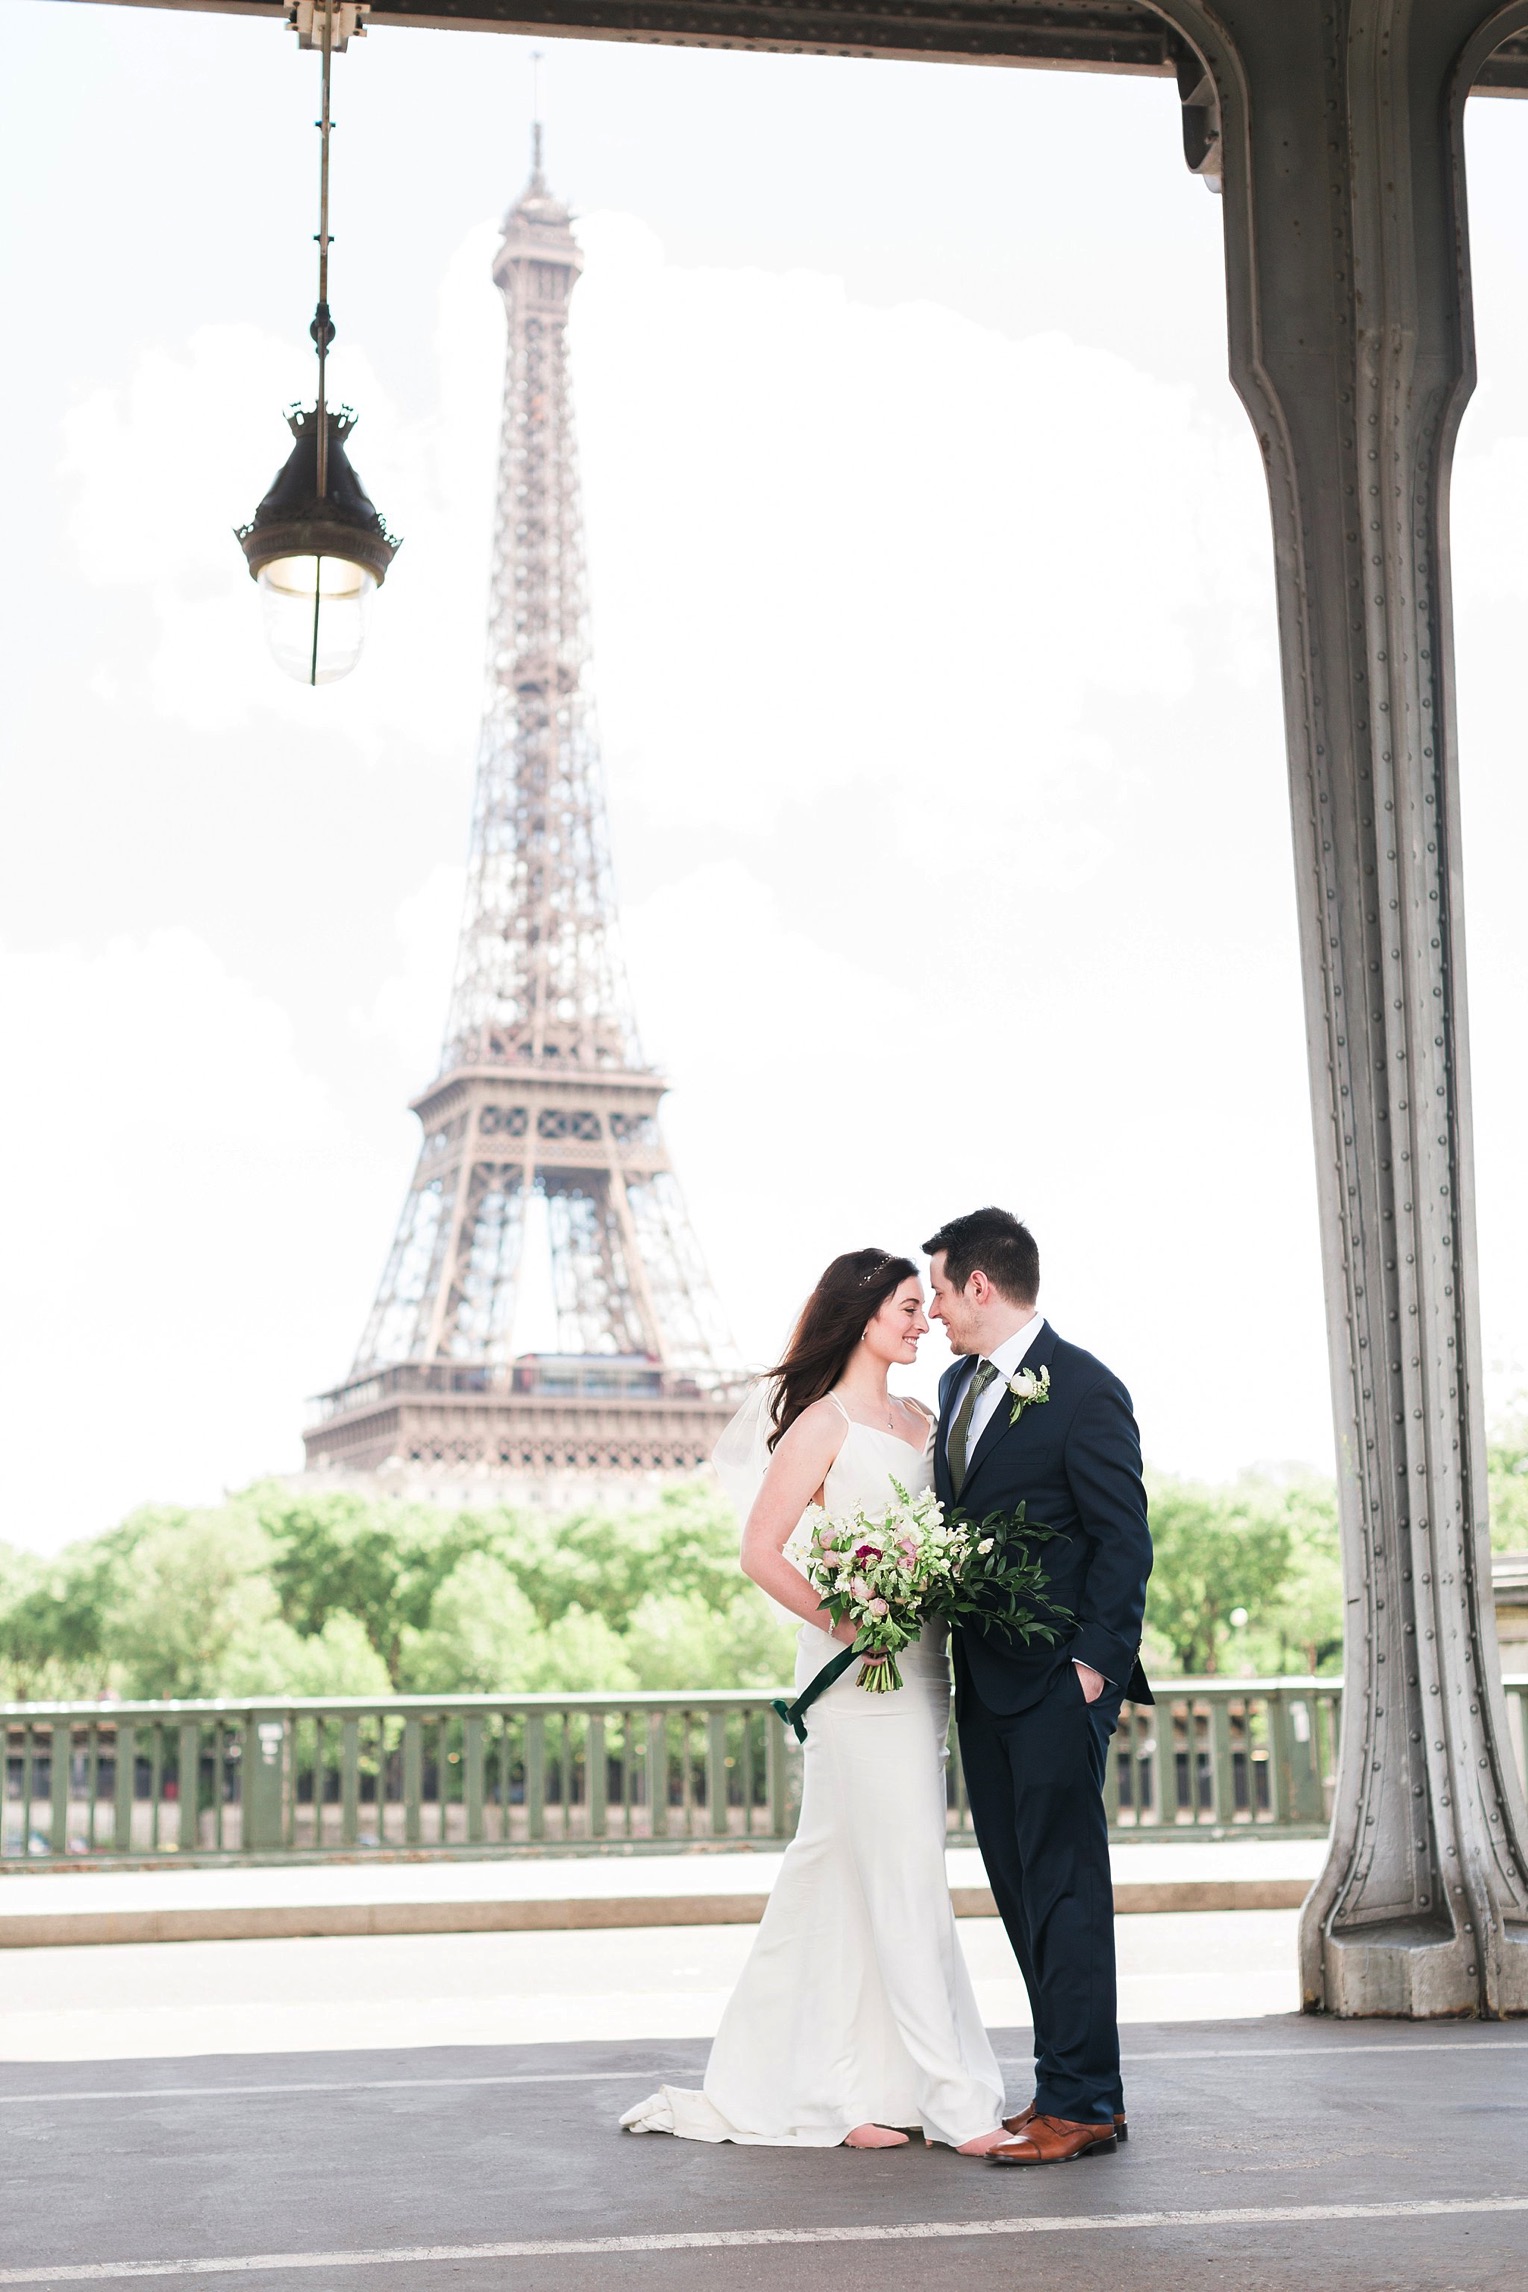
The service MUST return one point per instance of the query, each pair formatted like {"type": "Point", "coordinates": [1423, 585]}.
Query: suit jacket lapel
{"type": "Point", "coordinates": [999, 1423]}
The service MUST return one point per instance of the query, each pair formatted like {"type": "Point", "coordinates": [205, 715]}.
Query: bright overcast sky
{"type": "Point", "coordinates": [936, 667]}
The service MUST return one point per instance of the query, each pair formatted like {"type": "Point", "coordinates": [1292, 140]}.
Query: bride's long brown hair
{"type": "Point", "coordinates": [833, 1320]}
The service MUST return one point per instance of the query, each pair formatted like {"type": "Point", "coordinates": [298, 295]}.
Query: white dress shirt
{"type": "Point", "coordinates": [1005, 1358]}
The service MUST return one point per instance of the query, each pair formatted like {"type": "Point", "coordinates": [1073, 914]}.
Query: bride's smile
{"type": "Point", "coordinates": [899, 1326]}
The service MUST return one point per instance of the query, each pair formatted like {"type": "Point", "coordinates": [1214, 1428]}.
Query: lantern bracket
{"type": "Point", "coordinates": [306, 18]}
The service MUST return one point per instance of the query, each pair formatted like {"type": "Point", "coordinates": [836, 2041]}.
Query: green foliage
{"type": "Point", "coordinates": [685, 1544]}
{"type": "Point", "coordinates": [285, 1591]}
{"type": "Point", "coordinates": [291, 1592]}
{"type": "Point", "coordinates": [1507, 1474]}
{"type": "Point", "coordinates": [1264, 1547]}
{"type": "Point", "coordinates": [1217, 1551]}
{"type": "Point", "coordinates": [339, 1660]}
{"type": "Point", "coordinates": [187, 1600]}
{"type": "Point", "coordinates": [339, 1553]}
{"type": "Point", "coordinates": [50, 1627]}
{"type": "Point", "coordinates": [484, 1637]}
{"type": "Point", "coordinates": [1302, 1630]}
{"type": "Point", "coordinates": [678, 1639]}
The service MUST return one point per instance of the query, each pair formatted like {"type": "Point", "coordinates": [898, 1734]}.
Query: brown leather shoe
{"type": "Point", "coordinates": [1017, 2124]}
{"type": "Point", "coordinates": [1055, 2141]}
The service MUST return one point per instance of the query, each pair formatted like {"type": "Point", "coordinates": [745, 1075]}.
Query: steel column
{"type": "Point", "coordinates": [1350, 345]}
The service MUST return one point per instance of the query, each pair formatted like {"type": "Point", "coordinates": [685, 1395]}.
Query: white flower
{"type": "Point", "coordinates": [1025, 1390]}
{"type": "Point", "coordinates": [986, 1544]}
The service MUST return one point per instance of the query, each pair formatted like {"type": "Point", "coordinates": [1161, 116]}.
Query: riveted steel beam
{"type": "Point", "coordinates": [1350, 345]}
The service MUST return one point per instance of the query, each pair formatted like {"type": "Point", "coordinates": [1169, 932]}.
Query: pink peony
{"type": "Point", "coordinates": [907, 1546]}
{"type": "Point", "coordinates": [878, 1608]}
{"type": "Point", "coordinates": [860, 1588]}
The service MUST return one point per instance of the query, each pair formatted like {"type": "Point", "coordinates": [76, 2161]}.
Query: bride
{"type": "Point", "coordinates": [854, 2014]}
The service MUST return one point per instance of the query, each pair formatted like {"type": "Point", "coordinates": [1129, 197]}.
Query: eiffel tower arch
{"type": "Point", "coordinates": [542, 1090]}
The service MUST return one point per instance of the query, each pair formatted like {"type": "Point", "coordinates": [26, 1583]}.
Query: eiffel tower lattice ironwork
{"type": "Point", "coordinates": [542, 1088]}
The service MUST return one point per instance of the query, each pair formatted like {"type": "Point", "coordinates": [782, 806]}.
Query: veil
{"type": "Point", "coordinates": [741, 1456]}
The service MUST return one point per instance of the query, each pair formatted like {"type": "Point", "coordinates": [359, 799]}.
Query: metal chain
{"type": "Point", "coordinates": [322, 329]}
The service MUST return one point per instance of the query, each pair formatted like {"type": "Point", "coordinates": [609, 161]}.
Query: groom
{"type": "Point", "coordinates": [1035, 1720]}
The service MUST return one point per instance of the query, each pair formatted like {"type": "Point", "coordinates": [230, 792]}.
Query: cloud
{"type": "Point", "coordinates": [937, 676]}
{"type": "Point", "coordinates": [410, 1005]}
{"type": "Point", "coordinates": [170, 1191]}
{"type": "Point", "coordinates": [162, 468]}
{"type": "Point", "coordinates": [837, 547]}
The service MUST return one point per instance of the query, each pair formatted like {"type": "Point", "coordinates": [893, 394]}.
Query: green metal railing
{"type": "Point", "coordinates": [482, 1775]}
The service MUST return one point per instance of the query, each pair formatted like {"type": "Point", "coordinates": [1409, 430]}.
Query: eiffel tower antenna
{"type": "Point", "coordinates": [543, 1089]}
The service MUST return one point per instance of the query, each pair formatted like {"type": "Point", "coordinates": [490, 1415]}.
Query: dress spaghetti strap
{"type": "Point", "coordinates": [838, 1404]}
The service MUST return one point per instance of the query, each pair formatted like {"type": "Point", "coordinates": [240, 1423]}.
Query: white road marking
{"type": "Point", "coordinates": [734, 2239]}
{"type": "Point", "coordinates": [1301, 2052]}
{"type": "Point", "coordinates": [344, 2085]}
{"type": "Point", "coordinates": [624, 2076]}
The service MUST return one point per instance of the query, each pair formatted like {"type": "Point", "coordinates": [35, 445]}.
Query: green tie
{"type": "Point", "coordinates": [960, 1431]}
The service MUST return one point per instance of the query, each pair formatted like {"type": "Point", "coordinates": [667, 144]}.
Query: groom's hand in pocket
{"type": "Point", "coordinates": [1092, 1682]}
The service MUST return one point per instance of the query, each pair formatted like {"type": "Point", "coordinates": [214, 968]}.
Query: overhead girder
{"type": "Point", "coordinates": [1340, 133]}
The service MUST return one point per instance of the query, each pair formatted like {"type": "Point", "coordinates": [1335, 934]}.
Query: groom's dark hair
{"type": "Point", "coordinates": [995, 1243]}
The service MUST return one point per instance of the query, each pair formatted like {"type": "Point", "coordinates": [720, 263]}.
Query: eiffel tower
{"type": "Point", "coordinates": [542, 1089]}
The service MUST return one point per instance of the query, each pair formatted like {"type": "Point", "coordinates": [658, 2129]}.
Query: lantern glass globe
{"type": "Point", "coordinates": [315, 615]}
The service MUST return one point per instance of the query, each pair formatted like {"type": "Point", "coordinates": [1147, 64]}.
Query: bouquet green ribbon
{"type": "Point", "coordinates": [961, 1570]}
{"type": "Point", "coordinates": [794, 1714]}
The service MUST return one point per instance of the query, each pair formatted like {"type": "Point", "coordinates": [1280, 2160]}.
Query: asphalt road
{"type": "Point", "coordinates": [1265, 2156]}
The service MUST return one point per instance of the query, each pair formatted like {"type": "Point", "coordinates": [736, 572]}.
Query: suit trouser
{"type": "Point", "coordinates": [1035, 1786]}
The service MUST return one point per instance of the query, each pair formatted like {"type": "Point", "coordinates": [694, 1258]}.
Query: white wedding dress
{"type": "Point", "coordinates": [855, 2006]}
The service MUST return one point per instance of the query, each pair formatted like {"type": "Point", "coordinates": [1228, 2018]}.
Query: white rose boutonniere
{"type": "Point", "coordinates": [1026, 1391]}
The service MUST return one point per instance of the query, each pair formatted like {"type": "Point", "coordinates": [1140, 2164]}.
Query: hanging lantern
{"type": "Point", "coordinates": [317, 554]}
{"type": "Point", "coordinates": [315, 545]}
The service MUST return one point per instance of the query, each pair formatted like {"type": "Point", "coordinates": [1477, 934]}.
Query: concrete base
{"type": "Point", "coordinates": [562, 1893]}
{"type": "Point", "coordinates": [272, 1921]}
{"type": "Point", "coordinates": [1416, 1968]}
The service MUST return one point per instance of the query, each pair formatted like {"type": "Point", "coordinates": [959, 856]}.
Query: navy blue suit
{"type": "Point", "coordinates": [1032, 1747]}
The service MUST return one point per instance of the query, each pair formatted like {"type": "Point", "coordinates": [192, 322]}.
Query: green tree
{"type": "Point", "coordinates": [1217, 1550]}
{"type": "Point", "coordinates": [677, 1639]}
{"type": "Point", "coordinates": [53, 1623]}
{"type": "Point", "coordinates": [275, 1660]}
{"type": "Point", "coordinates": [608, 1563]}
{"type": "Point", "coordinates": [338, 1552]}
{"type": "Point", "coordinates": [484, 1637]}
{"type": "Point", "coordinates": [1507, 1482]}
{"type": "Point", "coordinates": [188, 1597]}
{"type": "Point", "coordinates": [28, 1637]}
{"type": "Point", "coordinates": [1302, 1630]}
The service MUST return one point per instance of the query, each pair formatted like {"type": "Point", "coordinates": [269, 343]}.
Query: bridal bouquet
{"type": "Point", "coordinates": [893, 1570]}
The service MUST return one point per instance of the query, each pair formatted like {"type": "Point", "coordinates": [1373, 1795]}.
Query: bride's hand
{"type": "Point", "coordinates": [846, 1633]}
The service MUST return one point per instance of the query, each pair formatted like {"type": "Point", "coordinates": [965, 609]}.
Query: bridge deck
{"type": "Point", "coordinates": [1266, 2156]}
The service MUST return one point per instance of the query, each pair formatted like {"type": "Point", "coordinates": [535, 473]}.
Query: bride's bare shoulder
{"type": "Point", "coordinates": [827, 1415]}
{"type": "Point", "coordinates": [821, 1424]}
